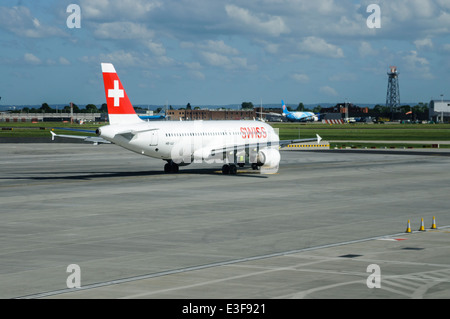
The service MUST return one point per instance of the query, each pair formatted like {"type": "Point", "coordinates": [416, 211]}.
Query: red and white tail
{"type": "Point", "coordinates": [120, 110]}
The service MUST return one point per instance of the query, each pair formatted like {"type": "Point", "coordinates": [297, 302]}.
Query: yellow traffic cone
{"type": "Point", "coordinates": [422, 227]}
{"type": "Point", "coordinates": [408, 227]}
{"type": "Point", "coordinates": [433, 226]}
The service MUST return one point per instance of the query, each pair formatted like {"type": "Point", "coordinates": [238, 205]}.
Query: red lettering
{"type": "Point", "coordinates": [249, 132]}
{"type": "Point", "coordinates": [253, 132]}
{"type": "Point", "coordinates": [258, 133]}
{"type": "Point", "coordinates": [243, 132]}
{"type": "Point", "coordinates": [264, 134]}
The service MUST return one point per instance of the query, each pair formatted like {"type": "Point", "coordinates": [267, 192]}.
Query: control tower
{"type": "Point", "coordinates": [393, 91]}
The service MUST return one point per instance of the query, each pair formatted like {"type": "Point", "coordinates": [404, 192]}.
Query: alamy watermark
{"type": "Point", "coordinates": [374, 279]}
{"type": "Point", "coordinates": [74, 18]}
{"type": "Point", "coordinates": [374, 20]}
{"type": "Point", "coordinates": [74, 279]}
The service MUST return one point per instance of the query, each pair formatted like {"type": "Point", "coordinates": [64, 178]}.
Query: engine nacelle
{"type": "Point", "coordinates": [269, 159]}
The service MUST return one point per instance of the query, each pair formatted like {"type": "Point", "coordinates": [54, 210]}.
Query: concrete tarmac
{"type": "Point", "coordinates": [309, 231]}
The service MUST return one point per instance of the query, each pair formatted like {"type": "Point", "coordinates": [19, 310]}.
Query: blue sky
{"type": "Point", "coordinates": [209, 52]}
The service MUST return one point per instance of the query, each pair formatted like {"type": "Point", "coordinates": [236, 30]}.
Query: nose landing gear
{"type": "Point", "coordinates": [171, 167]}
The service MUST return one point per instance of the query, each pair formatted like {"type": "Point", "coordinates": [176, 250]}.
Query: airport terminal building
{"type": "Point", "coordinates": [439, 111]}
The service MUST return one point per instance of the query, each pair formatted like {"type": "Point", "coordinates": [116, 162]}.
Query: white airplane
{"type": "Point", "coordinates": [180, 143]}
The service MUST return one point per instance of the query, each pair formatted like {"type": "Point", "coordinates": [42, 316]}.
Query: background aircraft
{"type": "Point", "coordinates": [295, 116]}
{"type": "Point", "coordinates": [160, 116]}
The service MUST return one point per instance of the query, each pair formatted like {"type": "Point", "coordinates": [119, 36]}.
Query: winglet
{"type": "Point", "coordinates": [318, 138]}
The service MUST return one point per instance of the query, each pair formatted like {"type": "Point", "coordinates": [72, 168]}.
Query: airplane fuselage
{"type": "Point", "coordinates": [301, 116]}
{"type": "Point", "coordinates": [181, 140]}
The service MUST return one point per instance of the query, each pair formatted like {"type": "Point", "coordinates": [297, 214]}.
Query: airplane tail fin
{"type": "Point", "coordinates": [283, 107]}
{"type": "Point", "coordinates": [120, 109]}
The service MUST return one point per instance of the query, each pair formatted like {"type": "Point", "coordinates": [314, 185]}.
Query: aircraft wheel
{"type": "Point", "coordinates": [226, 169]}
{"type": "Point", "coordinates": [233, 169]}
{"type": "Point", "coordinates": [171, 167]}
{"type": "Point", "coordinates": [254, 166]}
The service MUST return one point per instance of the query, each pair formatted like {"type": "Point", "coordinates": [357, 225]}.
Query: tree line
{"type": "Point", "coordinates": [45, 108]}
{"type": "Point", "coordinates": [420, 110]}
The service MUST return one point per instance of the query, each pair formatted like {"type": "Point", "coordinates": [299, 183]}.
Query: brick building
{"type": "Point", "coordinates": [205, 114]}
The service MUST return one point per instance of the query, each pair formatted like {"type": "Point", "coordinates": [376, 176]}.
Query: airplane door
{"type": "Point", "coordinates": [153, 138]}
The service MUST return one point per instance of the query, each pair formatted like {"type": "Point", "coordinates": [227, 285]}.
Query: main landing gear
{"type": "Point", "coordinates": [171, 167]}
{"type": "Point", "coordinates": [229, 169]}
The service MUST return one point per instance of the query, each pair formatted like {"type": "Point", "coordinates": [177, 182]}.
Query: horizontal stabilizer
{"type": "Point", "coordinates": [93, 139]}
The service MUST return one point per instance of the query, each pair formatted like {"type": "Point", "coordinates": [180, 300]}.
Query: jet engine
{"type": "Point", "coordinates": [269, 159]}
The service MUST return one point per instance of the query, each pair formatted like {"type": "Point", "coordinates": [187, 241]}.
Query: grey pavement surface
{"type": "Point", "coordinates": [309, 231]}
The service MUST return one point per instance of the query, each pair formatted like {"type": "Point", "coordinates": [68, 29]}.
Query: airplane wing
{"type": "Point", "coordinates": [208, 152]}
{"type": "Point", "coordinates": [94, 139]}
{"type": "Point", "coordinates": [273, 114]}
{"type": "Point", "coordinates": [297, 141]}
{"type": "Point", "coordinates": [128, 134]}
{"type": "Point", "coordinates": [308, 117]}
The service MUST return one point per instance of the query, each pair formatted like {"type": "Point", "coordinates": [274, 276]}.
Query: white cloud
{"type": "Point", "coordinates": [117, 9]}
{"type": "Point", "coordinates": [216, 59]}
{"type": "Point", "coordinates": [340, 77]}
{"type": "Point", "coordinates": [218, 46]}
{"type": "Point", "coordinates": [220, 60]}
{"type": "Point", "coordinates": [302, 78]}
{"type": "Point", "coordinates": [217, 53]}
{"type": "Point", "coordinates": [365, 49]}
{"type": "Point", "coordinates": [30, 58]}
{"type": "Point", "coordinates": [123, 58]}
{"type": "Point", "coordinates": [273, 25]}
{"type": "Point", "coordinates": [155, 48]}
{"type": "Point", "coordinates": [327, 90]}
{"type": "Point", "coordinates": [122, 30]}
{"type": "Point", "coordinates": [272, 48]}
{"type": "Point", "coordinates": [414, 60]}
{"type": "Point", "coordinates": [423, 43]}
{"type": "Point", "coordinates": [194, 70]}
{"type": "Point", "coordinates": [418, 66]}
{"type": "Point", "coordinates": [63, 61]}
{"type": "Point", "coordinates": [193, 65]}
{"type": "Point", "coordinates": [197, 75]}
{"type": "Point", "coordinates": [318, 46]}
{"type": "Point", "coordinates": [20, 21]}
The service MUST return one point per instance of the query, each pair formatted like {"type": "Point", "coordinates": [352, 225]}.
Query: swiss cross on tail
{"type": "Point", "coordinates": [116, 93]}
{"type": "Point", "coordinates": [120, 109]}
